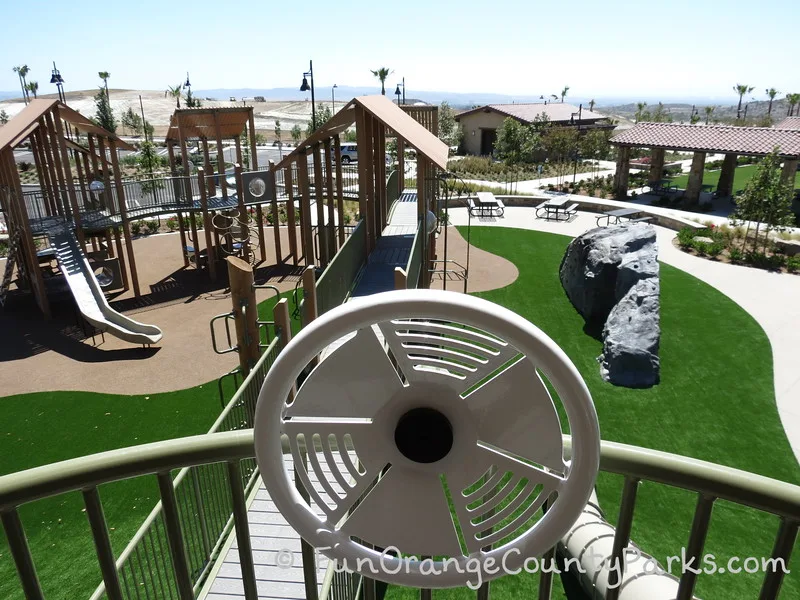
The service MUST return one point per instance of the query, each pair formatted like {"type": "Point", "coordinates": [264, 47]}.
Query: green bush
{"type": "Point", "coordinates": [736, 255]}
{"type": "Point", "coordinates": [136, 227]}
{"type": "Point", "coordinates": [793, 264]}
{"type": "Point", "coordinates": [152, 227]}
{"type": "Point", "coordinates": [172, 224]}
{"type": "Point", "coordinates": [715, 249]}
{"type": "Point", "coordinates": [686, 237]}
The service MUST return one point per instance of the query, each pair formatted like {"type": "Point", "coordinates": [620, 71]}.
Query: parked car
{"type": "Point", "coordinates": [350, 154]}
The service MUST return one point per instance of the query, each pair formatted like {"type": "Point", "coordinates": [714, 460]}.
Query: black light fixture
{"type": "Point", "coordinates": [187, 84]}
{"type": "Point", "coordinates": [304, 87]}
{"type": "Point", "coordinates": [59, 81]}
{"type": "Point", "coordinates": [397, 91]}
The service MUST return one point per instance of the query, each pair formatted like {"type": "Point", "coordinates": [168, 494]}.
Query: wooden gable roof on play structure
{"type": "Point", "coordinates": [388, 113]}
{"type": "Point", "coordinates": [18, 129]}
{"type": "Point", "coordinates": [201, 123]}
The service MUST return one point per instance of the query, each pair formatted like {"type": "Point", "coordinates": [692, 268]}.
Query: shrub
{"type": "Point", "coordinates": [136, 227]}
{"type": "Point", "coordinates": [172, 223]}
{"type": "Point", "coordinates": [152, 227]}
{"type": "Point", "coordinates": [736, 255]}
{"type": "Point", "coordinates": [793, 264]}
{"type": "Point", "coordinates": [702, 248]}
{"type": "Point", "coordinates": [715, 249]}
{"type": "Point", "coordinates": [686, 237]}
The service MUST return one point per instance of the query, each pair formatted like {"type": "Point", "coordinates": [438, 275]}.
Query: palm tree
{"type": "Point", "coordinates": [793, 100]}
{"type": "Point", "coordinates": [104, 75]}
{"type": "Point", "coordinates": [709, 111]}
{"type": "Point", "coordinates": [175, 92]}
{"type": "Point", "coordinates": [564, 93]}
{"type": "Point", "coordinates": [741, 89]}
{"type": "Point", "coordinates": [771, 92]}
{"type": "Point", "coordinates": [591, 105]}
{"type": "Point", "coordinates": [33, 87]}
{"type": "Point", "coordinates": [554, 97]}
{"type": "Point", "coordinates": [382, 74]}
{"type": "Point", "coordinates": [22, 71]}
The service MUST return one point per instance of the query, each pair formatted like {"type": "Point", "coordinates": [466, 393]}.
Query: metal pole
{"type": "Point", "coordinates": [333, 99]}
{"type": "Point", "coordinates": [313, 108]}
{"type": "Point", "coordinates": [404, 90]}
{"type": "Point", "coordinates": [144, 122]}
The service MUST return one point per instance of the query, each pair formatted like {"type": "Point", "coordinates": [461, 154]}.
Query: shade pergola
{"type": "Point", "coordinates": [702, 139]}
{"type": "Point", "coordinates": [208, 123]}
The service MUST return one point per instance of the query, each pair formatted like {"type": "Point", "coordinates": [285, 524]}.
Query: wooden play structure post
{"type": "Point", "coordinates": [290, 214]}
{"type": "Point", "coordinates": [276, 222]}
{"type": "Point", "coordinates": [124, 216]}
{"type": "Point", "coordinates": [330, 230]}
{"type": "Point", "coordinates": [210, 250]}
{"type": "Point", "coordinates": [337, 147]}
{"type": "Point", "coordinates": [309, 295]}
{"type": "Point", "coordinates": [244, 227]}
{"type": "Point", "coordinates": [319, 192]}
{"type": "Point", "coordinates": [400, 278]}
{"type": "Point", "coordinates": [305, 208]}
{"type": "Point", "coordinates": [245, 312]}
{"type": "Point", "coordinates": [283, 325]}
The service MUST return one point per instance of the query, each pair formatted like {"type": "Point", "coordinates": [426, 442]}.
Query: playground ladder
{"type": "Point", "coordinates": [11, 261]}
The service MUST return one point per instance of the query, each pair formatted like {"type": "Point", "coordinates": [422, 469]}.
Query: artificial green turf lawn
{"type": "Point", "coordinates": [715, 402]}
{"type": "Point", "coordinates": [741, 176]}
{"type": "Point", "coordinates": [47, 427]}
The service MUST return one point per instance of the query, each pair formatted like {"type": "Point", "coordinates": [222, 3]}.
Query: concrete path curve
{"type": "Point", "coordinates": [773, 299]}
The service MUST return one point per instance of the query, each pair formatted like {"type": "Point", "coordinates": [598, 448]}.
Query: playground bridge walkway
{"type": "Point", "coordinates": [274, 541]}
{"type": "Point", "coordinates": [167, 195]}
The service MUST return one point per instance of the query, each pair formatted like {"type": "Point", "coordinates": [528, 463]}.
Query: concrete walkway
{"type": "Point", "coordinates": [773, 299]}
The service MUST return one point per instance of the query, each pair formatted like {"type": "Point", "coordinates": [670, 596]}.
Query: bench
{"type": "Point", "coordinates": [641, 220]}
{"type": "Point", "coordinates": [572, 210]}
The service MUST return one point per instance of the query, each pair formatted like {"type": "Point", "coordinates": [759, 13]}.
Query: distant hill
{"type": "Point", "coordinates": [681, 112]}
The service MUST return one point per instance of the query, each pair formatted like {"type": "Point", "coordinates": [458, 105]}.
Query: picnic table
{"type": "Point", "coordinates": [620, 213]}
{"type": "Point", "coordinates": [555, 209]}
{"type": "Point", "coordinates": [486, 205]}
{"type": "Point", "coordinates": [662, 187]}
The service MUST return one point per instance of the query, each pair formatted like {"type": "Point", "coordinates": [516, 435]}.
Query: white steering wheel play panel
{"type": "Point", "coordinates": [434, 406]}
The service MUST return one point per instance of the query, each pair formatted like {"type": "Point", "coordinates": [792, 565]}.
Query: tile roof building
{"type": "Point", "coordinates": [480, 124]}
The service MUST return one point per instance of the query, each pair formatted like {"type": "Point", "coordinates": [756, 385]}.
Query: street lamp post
{"type": "Point", "coordinates": [579, 113]}
{"type": "Point", "coordinates": [333, 99]}
{"type": "Point", "coordinates": [305, 87]}
{"type": "Point", "coordinates": [397, 91]}
{"type": "Point", "coordinates": [59, 81]}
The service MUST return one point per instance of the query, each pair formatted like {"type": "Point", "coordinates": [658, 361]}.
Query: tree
{"type": "Point", "coordinates": [591, 105]}
{"type": "Point", "coordinates": [148, 130]}
{"type": "Point", "coordinates": [323, 115]}
{"type": "Point", "coordinates": [22, 72]}
{"type": "Point", "coordinates": [793, 100]}
{"type": "Point", "coordinates": [33, 88]}
{"type": "Point", "coordinates": [741, 89]}
{"type": "Point", "coordinates": [191, 101]}
{"type": "Point", "coordinates": [297, 133]}
{"type": "Point", "coordinates": [709, 110]}
{"type": "Point", "coordinates": [594, 144]}
{"type": "Point", "coordinates": [766, 199]}
{"type": "Point", "coordinates": [449, 130]}
{"type": "Point", "coordinates": [771, 93]}
{"type": "Point", "coordinates": [3, 117]}
{"type": "Point", "coordinates": [512, 137]}
{"type": "Point", "coordinates": [104, 75]}
{"type": "Point", "coordinates": [104, 116]}
{"type": "Point", "coordinates": [175, 92]}
{"type": "Point", "coordinates": [382, 74]}
{"type": "Point", "coordinates": [278, 137]}
{"type": "Point", "coordinates": [131, 121]}
{"type": "Point", "coordinates": [564, 93]}
{"type": "Point", "coordinates": [561, 145]}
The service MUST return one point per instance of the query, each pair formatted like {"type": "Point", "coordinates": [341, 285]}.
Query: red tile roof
{"type": "Point", "coordinates": [789, 123]}
{"type": "Point", "coordinates": [556, 111]}
{"type": "Point", "coordinates": [711, 138]}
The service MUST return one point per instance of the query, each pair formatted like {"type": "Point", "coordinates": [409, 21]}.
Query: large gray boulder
{"type": "Point", "coordinates": [611, 276]}
{"type": "Point", "coordinates": [590, 267]}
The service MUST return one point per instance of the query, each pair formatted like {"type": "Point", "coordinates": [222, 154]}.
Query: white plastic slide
{"type": "Point", "coordinates": [90, 298]}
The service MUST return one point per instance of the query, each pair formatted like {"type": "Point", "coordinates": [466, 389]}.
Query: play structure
{"type": "Point", "coordinates": [334, 446]}
{"type": "Point", "coordinates": [221, 208]}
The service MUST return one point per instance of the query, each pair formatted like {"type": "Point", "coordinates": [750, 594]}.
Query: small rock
{"type": "Point", "coordinates": [704, 239]}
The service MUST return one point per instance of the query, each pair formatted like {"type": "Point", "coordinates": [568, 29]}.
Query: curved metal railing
{"type": "Point", "coordinates": [709, 481]}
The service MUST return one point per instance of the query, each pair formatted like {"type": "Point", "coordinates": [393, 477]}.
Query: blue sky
{"type": "Point", "coordinates": [598, 48]}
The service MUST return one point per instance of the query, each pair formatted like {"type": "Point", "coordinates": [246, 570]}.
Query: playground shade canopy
{"type": "Point", "coordinates": [208, 123]}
